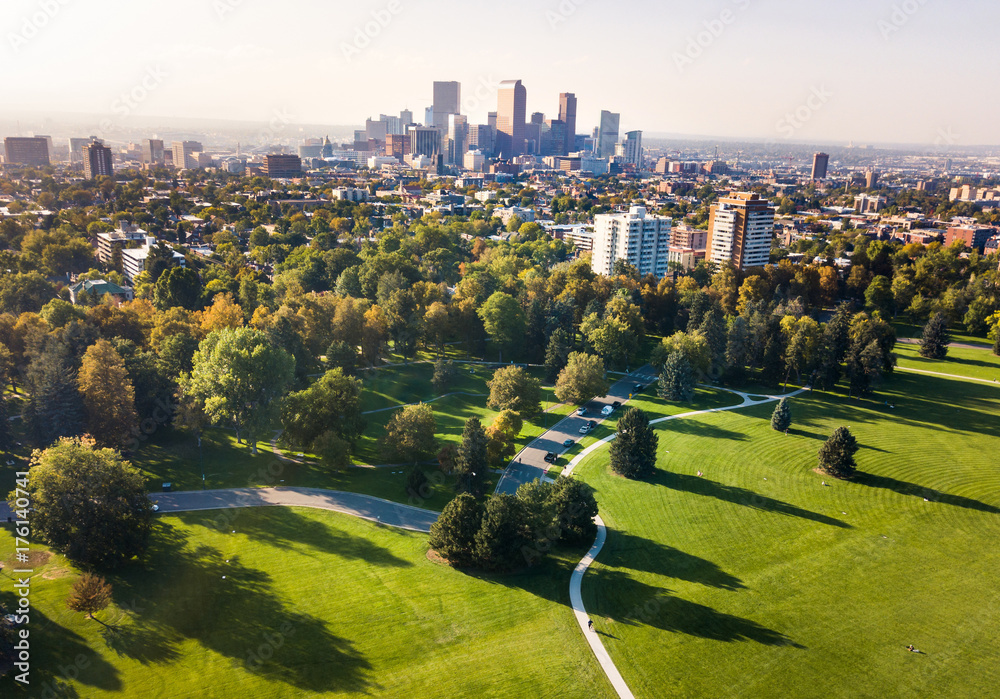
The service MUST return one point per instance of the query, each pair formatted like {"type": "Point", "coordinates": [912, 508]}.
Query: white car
{"type": "Point", "coordinates": [581, 411]}
{"type": "Point", "coordinates": [607, 410]}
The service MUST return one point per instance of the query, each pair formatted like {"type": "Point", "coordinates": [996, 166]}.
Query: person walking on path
{"type": "Point", "coordinates": [590, 624]}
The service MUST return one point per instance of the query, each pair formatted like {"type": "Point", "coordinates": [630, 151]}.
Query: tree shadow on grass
{"type": "Point", "coordinates": [920, 491]}
{"type": "Point", "coordinates": [738, 496]}
{"type": "Point", "coordinates": [146, 641]}
{"type": "Point", "coordinates": [287, 528]}
{"type": "Point", "coordinates": [701, 428]}
{"type": "Point", "coordinates": [652, 606]}
{"type": "Point", "coordinates": [192, 592]}
{"type": "Point", "coordinates": [59, 655]}
{"type": "Point", "coordinates": [637, 553]}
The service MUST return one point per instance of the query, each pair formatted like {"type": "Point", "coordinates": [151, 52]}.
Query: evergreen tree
{"type": "Point", "coordinates": [453, 535]}
{"type": "Point", "coordinates": [934, 344]}
{"type": "Point", "coordinates": [472, 463]}
{"type": "Point", "coordinates": [737, 340]}
{"type": "Point", "coordinates": [633, 452]}
{"type": "Point", "coordinates": [6, 438]}
{"type": "Point", "coordinates": [677, 379]}
{"type": "Point", "coordinates": [574, 506]}
{"type": "Point", "coordinates": [836, 456]}
{"type": "Point", "coordinates": [534, 333]}
{"type": "Point", "coordinates": [865, 369]}
{"type": "Point", "coordinates": [781, 420]}
{"type": "Point", "coordinates": [557, 353]}
{"type": "Point", "coordinates": [773, 363]}
{"type": "Point", "coordinates": [53, 407]}
{"type": "Point", "coordinates": [713, 327]}
{"type": "Point", "coordinates": [505, 534]}
{"type": "Point", "coordinates": [444, 376]}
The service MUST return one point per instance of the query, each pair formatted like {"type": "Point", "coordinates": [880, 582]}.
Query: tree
{"type": "Point", "coordinates": [512, 388]}
{"type": "Point", "coordinates": [91, 594]}
{"type": "Point", "coordinates": [633, 453]}
{"type": "Point", "coordinates": [935, 341]}
{"type": "Point", "coordinates": [444, 375]}
{"type": "Point", "coordinates": [879, 297]}
{"type": "Point", "coordinates": [409, 436]}
{"type": "Point", "coordinates": [677, 379]}
{"type": "Point", "coordinates": [781, 420]}
{"type": "Point", "coordinates": [504, 533]}
{"type": "Point", "coordinates": [472, 464]}
{"type": "Point", "coordinates": [178, 286]}
{"type": "Point", "coordinates": [223, 313]}
{"type": "Point", "coordinates": [582, 379]}
{"type": "Point", "coordinates": [575, 507]}
{"type": "Point", "coordinates": [329, 408]}
{"type": "Point", "coordinates": [557, 353]}
{"type": "Point", "coordinates": [502, 435]}
{"type": "Point", "coordinates": [241, 376]}
{"type": "Point", "coordinates": [836, 456]}
{"type": "Point", "coordinates": [53, 407]}
{"type": "Point", "coordinates": [503, 319]}
{"type": "Point", "coordinates": [89, 503]}
{"type": "Point", "coordinates": [453, 535]}
{"type": "Point", "coordinates": [108, 396]}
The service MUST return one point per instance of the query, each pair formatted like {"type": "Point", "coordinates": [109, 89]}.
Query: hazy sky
{"type": "Point", "coordinates": [864, 70]}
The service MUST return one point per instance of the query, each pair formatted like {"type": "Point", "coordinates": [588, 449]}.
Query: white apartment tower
{"type": "Point", "coordinates": [641, 239]}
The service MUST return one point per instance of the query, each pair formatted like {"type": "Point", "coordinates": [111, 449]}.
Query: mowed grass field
{"type": "Point", "coordinates": [974, 363]}
{"type": "Point", "coordinates": [302, 602]}
{"type": "Point", "coordinates": [756, 580]}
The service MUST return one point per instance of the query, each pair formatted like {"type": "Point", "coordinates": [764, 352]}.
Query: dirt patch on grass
{"type": "Point", "coordinates": [36, 559]}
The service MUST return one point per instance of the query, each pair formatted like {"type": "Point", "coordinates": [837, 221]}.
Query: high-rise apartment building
{"type": "Point", "coordinates": [512, 107]}
{"type": "Point", "coordinates": [639, 238]}
{"type": "Point", "coordinates": [97, 161]}
{"type": "Point", "coordinates": [447, 101]}
{"type": "Point", "coordinates": [184, 154]}
{"type": "Point", "coordinates": [740, 231]}
{"type": "Point", "coordinates": [871, 179]}
{"type": "Point", "coordinates": [567, 115]}
{"type": "Point", "coordinates": [26, 151]}
{"type": "Point", "coordinates": [607, 135]}
{"type": "Point", "coordinates": [152, 151]}
{"type": "Point", "coordinates": [633, 148]}
{"type": "Point", "coordinates": [821, 162]}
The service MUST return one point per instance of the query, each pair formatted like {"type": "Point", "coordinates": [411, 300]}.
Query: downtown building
{"type": "Point", "coordinates": [740, 231]}
{"type": "Point", "coordinates": [639, 238]}
{"type": "Point", "coordinates": [26, 151]}
{"type": "Point", "coordinates": [511, 126]}
{"type": "Point", "coordinates": [98, 161]}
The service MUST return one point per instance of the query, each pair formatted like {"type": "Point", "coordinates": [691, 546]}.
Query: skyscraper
{"type": "Point", "coordinates": [633, 148]}
{"type": "Point", "coordinates": [26, 151]}
{"type": "Point", "coordinates": [567, 115]}
{"type": "Point", "coordinates": [458, 137]}
{"type": "Point", "coordinates": [184, 154]}
{"type": "Point", "coordinates": [425, 140]}
{"type": "Point", "coordinates": [406, 118]}
{"type": "Point", "coordinates": [97, 161]}
{"type": "Point", "coordinates": [512, 107]}
{"type": "Point", "coordinates": [447, 101]}
{"type": "Point", "coordinates": [740, 230]}
{"type": "Point", "coordinates": [152, 151]}
{"type": "Point", "coordinates": [821, 161]}
{"type": "Point", "coordinates": [607, 136]}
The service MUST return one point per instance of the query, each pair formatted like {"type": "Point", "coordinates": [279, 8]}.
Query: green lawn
{"type": "Point", "coordinates": [974, 363]}
{"type": "Point", "coordinates": [755, 580]}
{"type": "Point", "coordinates": [909, 330]}
{"type": "Point", "coordinates": [307, 603]}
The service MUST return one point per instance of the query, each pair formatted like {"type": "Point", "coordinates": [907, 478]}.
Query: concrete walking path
{"type": "Point", "coordinates": [374, 509]}
{"type": "Point", "coordinates": [953, 345]}
{"type": "Point", "coordinates": [947, 376]}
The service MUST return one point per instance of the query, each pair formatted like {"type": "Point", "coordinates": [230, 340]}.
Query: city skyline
{"type": "Point", "coordinates": [223, 60]}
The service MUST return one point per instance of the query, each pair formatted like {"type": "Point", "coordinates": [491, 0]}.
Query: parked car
{"type": "Point", "coordinates": [551, 458]}
{"type": "Point", "coordinates": [581, 411]}
{"type": "Point", "coordinates": [593, 424]}
{"type": "Point", "coordinates": [617, 404]}
{"type": "Point", "coordinates": [638, 388]}
{"type": "Point", "coordinates": [568, 443]}
{"type": "Point", "coordinates": [607, 410]}
{"type": "Point", "coordinates": [585, 429]}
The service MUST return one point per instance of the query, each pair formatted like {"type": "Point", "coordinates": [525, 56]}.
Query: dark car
{"type": "Point", "coordinates": [568, 443]}
{"type": "Point", "coordinates": [638, 388]}
{"type": "Point", "coordinates": [592, 424]}
{"type": "Point", "coordinates": [551, 458]}
{"type": "Point", "coordinates": [617, 404]}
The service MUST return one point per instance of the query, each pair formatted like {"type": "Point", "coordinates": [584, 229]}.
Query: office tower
{"type": "Point", "coordinates": [397, 146]}
{"type": "Point", "coordinates": [633, 148]}
{"type": "Point", "coordinates": [481, 138]}
{"type": "Point", "coordinates": [447, 101]}
{"type": "Point", "coordinates": [491, 119]}
{"type": "Point", "coordinates": [607, 135]}
{"type": "Point", "coordinates": [282, 166]}
{"type": "Point", "coordinates": [393, 125]}
{"type": "Point", "coordinates": [375, 131]}
{"type": "Point", "coordinates": [406, 119]}
{"type": "Point", "coordinates": [821, 162]}
{"type": "Point", "coordinates": [567, 115]}
{"type": "Point", "coordinates": [184, 154]}
{"type": "Point", "coordinates": [26, 151]}
{"type": "Point", "coordinates": [97, 161]}
{"type": "Point", "coordinates": [512, 106]}
{"type": "Point", "coordinates": [429, 116]}
{"type": "Point", "coordinates": [740, 230]}
{"type": "Point", "coordinates": [871, 179]}
{"type": "Point", "coordinates": [554, 138]}
{"type": "Point", "coordinates": [425, 140]}
{"type": "Point", "coordinates": [152, 151]}
{"type": "Point", "coordinates": [458, 138]}
{"type": "Point", "coordinates": [639, 238]}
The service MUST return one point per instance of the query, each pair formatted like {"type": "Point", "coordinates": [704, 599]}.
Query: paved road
{"type": "Point", "coordinates": [364, 506]}
{"type": "Point", "coordinates": [955, 345]}
{"type": "Point", "coordinates": [530, 463]}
